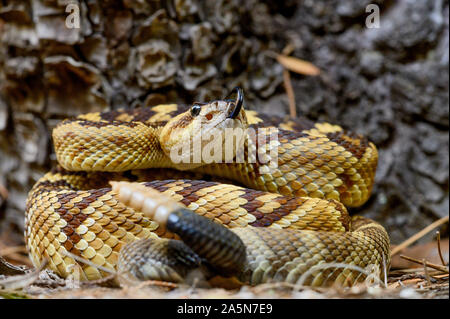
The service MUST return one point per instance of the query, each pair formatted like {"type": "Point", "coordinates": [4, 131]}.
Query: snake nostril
{"type": "Point", "coordinates": [209, 116]}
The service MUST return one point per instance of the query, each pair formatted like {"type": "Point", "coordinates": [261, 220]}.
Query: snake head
{"type": "Point", "coordinates": [211, 132]}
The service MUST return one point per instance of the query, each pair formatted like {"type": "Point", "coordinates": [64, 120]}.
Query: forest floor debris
{"type": "Point", "coordinates": [404, 284]}
{"type": "Point", "coordinates": [423, 280]}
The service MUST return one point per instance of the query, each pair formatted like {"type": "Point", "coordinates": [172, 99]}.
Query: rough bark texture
{"type": "Point", "coordinates": [390, 83]}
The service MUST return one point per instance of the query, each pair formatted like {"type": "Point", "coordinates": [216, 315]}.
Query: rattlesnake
{"type": "Point", "coordinates": [277, 223]}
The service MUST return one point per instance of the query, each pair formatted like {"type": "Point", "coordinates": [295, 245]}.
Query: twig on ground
{"type": "Point", "coordinates": [20, 281]}
{"type": "Point", "coordinates": [158, 283]}
{"type": "Point", "coordinates": [9, 269]}
{"type": "Point", "coordinates": [425, 269]}
{"type": "Point", "coordinates": [411, 272]}
{"type": "Point", "coordinates": [438, 235]}
{"type": "Point", "coordinates": [290, 93]}
{"type": "Point", "coordinates": [88, 262]}
{"type": "Point", "coordinates": [385, 271]}
{"type": "Point", "coordinates": [431, 265]}
{"type": "Point", "coordinates": [288, 84]}
{"type": "Point", "coordinates": [419, 235]}
{"type": "Point", "coordinates": [440, 276]}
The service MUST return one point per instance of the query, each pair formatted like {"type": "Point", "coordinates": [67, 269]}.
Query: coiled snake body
{"type": "Point", "coordinates": [278, 223]}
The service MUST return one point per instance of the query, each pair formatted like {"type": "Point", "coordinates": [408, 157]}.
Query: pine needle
{"type": "Point", "coordinates": [297, 65]}
{"type": "Point", "coordinates": [418, 235]}
{"type": "Point", "coordinates": [438, 235]}
{"type": "Point", "coordinates": [428, 264]}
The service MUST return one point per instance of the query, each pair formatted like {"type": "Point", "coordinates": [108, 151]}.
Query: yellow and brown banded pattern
{"type": "Point", "coordinates": [290, 218]}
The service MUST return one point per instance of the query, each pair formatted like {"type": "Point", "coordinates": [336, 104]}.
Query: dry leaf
{"type": "Point", "coordinates": [3, 192]}
{"type": "Point", "coordinates": [297, 65]}
{"type": "Point", "coordinates": [224, 282]}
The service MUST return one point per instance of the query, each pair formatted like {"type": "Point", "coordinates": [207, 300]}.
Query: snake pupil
{"type": "Point", "coordinates": [195, 110]}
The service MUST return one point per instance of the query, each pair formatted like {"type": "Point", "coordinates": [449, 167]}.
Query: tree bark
{"type": "Point", "coordinates": [389, 83]}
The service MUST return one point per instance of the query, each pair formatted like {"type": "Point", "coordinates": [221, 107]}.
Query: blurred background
{"type": "Point", "coordinates": [389, 83]}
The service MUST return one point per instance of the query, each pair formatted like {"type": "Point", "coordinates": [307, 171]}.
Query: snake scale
{"type": "Point", "coordinates": [163, 220]}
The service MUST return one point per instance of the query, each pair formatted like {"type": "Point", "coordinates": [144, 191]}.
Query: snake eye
{"type": "Point", "coordinates": [195, 110]}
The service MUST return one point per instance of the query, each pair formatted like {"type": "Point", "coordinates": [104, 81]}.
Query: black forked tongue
{"type": "Point", "coordinates": [237, 102]}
